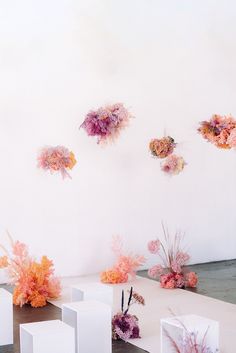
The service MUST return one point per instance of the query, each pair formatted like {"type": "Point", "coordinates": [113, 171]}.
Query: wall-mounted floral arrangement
{"type": "Point", "coordinates": [173, 164]}
{"type": "Point", "coordinates": [163, 148]}
{"type": "Point", "coordinates": [56, 159]}
{"type": "Point", "coordinates": [219, 130]}
{"type": "Point", "coordinates": [107, 122]}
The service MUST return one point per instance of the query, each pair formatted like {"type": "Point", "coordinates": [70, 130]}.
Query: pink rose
{"type": "Point", "coordinates": [155, 271]}
{"type": "Point", "coordinates": [154, 246]}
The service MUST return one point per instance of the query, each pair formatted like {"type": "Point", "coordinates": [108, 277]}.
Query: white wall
{"type": "Point", "coordinates": [173, 64]}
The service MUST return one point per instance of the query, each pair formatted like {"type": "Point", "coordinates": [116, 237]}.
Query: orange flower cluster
{"type": "Point", "coordinates": [113, 276]}
{"type": "Point", "coordinates": [125, 266]}
{"type": "Point", "coordinates": [36, 284]}
{"type": "Point", "coordinates": [34, 281]}
{"type": "Point", "coordinates": [161, 148]}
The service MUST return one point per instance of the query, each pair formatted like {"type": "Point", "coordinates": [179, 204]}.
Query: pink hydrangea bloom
{"type": "Point", "coordinates": [154, 246]}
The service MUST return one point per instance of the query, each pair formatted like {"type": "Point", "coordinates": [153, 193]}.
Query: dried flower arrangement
{"type": "Point", "coordinates": [125, 267]}
{"type": "Point", "coordinates": [219, 130]}
{"type": "Point", "coordinates": [124, 325]}
{"type": "Point", "coordinates": [161, 148]}
{"type": "Point", "coordinates": [107, 122]}
{"type": "Point", "coordinates": [191, 342]}
{"type": "Point", "coordinates": [56, 159]}
{"type": "Point", "coordinates": [173, 165]}
{"type": "Point", "coordinates": [173, 258]}
{"type": "Point", "coordinates": [34, 282]}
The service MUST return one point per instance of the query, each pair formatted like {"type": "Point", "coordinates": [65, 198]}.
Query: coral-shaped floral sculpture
{"type": "Point", "coordinates": [124, 325]}
{"type": "Point", "coordinates": [106, 122]}
{"type": "Point", "coordinates": [125, 266]}
{"type": "Point", "coordinates": [170, 270]}
{"type": "Point", "coordinates": [219, 130]}
{"type": "Point", "coordinates": [173, 164]}
{"type": "Point", "coordinates": [34, 282]}
{"type": "Point", "coordinates": [56, 159]}
{"type": "Point", "coordinates": [161, 148]}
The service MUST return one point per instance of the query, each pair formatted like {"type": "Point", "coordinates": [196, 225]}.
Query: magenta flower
{"type": "Point", "coordinates": [106, 122]}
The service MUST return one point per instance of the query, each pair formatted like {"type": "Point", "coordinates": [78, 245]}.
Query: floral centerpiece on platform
{"type": "Point", "coordinates": [107, 122]}
{"type": "Point", "coordinates": [57, 159]}
{"type": "Point", "coordinates": [34, 282]}
{"type": "Point", "coordinates": [219, 130]}
{"type": "Point", "coordinates": [191, 343]}
{"type": "Point", "coordinates": [125, 267]}
{"type": "Point", "coordinates": [170, 270]}
{"type": "Point", "coordinates": [124, 325]}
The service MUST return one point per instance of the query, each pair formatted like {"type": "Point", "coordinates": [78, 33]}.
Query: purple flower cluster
{"type": "Point", "coordinates": [125, 327]}
{"type": "Point", "coordinates": [106, 122]}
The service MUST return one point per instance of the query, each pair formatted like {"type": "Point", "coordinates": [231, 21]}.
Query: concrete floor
{"type": "Point", "coordinates": [216, 280]}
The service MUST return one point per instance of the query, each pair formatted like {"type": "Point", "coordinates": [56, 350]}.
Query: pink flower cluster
{"type": "Point", "coordinates": [106, 122]}
{"type": "Point", "coordinates": [170, 271]}
{"type": "Point", "coordinates": [56, 159]}
{"type": "Point", "coordinates": [219, 130]}
{"type": "Point", "coordinates": [173, 165]}
{"type": "Point", "coordinates": [125, 267]}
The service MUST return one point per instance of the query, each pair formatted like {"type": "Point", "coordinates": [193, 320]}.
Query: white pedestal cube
{"type": "Point", "coordinates": [4, 278]}
{"type": "Point", "coordinates": [175, 327]}
{"type": "Point", "coordinates": [92, 323]}
{"type": "Point", "coordinates": [6, 318]}
{"type": "Point", "coordinates": [92, 291]}
{"type": "Point", "coordinates": [47, 337]}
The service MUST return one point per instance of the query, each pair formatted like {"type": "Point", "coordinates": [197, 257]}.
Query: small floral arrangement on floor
{"type": "Point", "coordinates": [219, 130]}
{"type": "Point", "coordinates": [191, 343]}
{"type": "Point", "coordinates": [172, 257]}
{"type": "Point", "coordinates": [106, 122]}
{"type": "Point", "coordinates": [57, 159]}
{"type": "Point", "coordinates": [125, 266]}
{"type": "Point", "coordinates": [161, 148]}
{"type": "Point", "coordinates": [124, 325]}
{"type": "Point", "coordinates": [173, 165]}
{"type": "Point", "coordinates": [34, 282]}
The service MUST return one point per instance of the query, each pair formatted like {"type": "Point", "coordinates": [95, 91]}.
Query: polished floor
{"type": "Point", "coordinates": [216, 280]}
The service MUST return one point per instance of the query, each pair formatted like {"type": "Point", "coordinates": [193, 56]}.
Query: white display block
{"type": "Point", "coordinates": [193, 323]}
{"type": "Point", "coordinates": [4, 278]}
{"type": "Point", "coordinates": [47, 337]}
{"type": "Point", "coordinates": [92, 291]}
{"type": "Point", "coordinates": [6, 318]}
{"type": "Point", "coordinates": [92, 322]}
